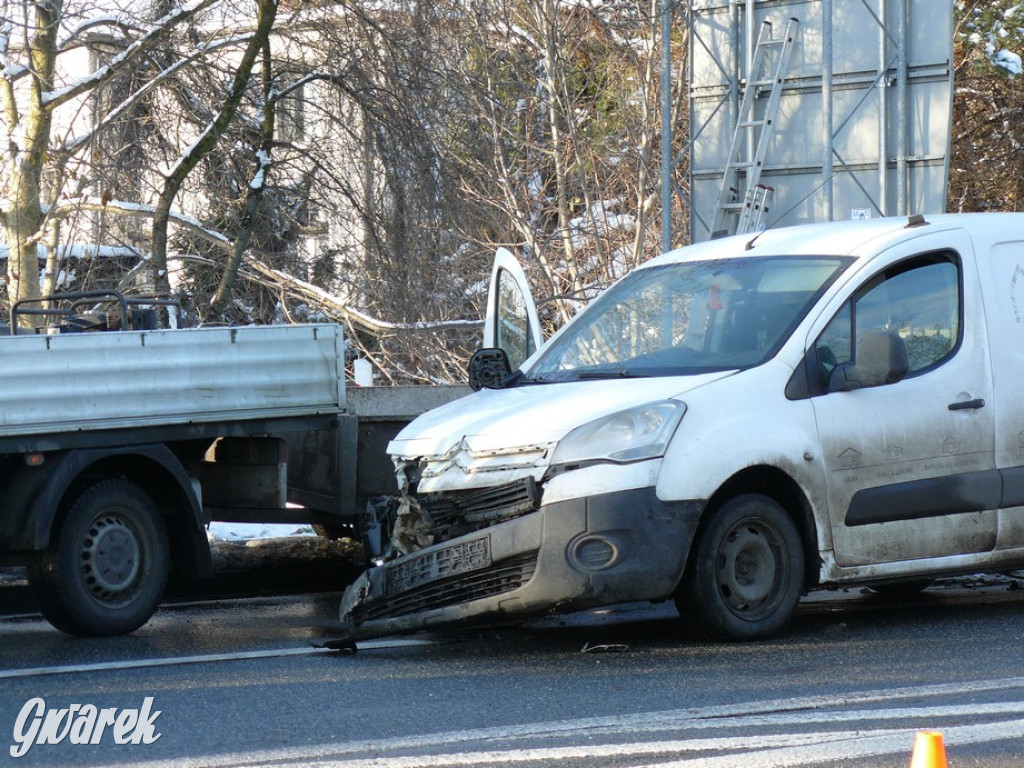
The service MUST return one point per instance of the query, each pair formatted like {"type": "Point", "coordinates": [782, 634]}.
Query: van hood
{"type": "Point", "coordinates": [506, 420]}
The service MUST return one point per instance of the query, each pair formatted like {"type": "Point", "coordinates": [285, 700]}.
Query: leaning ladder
{"type": "Point", "coordinates": [747, 213]}
{"type": "Point", "coordinates": [755, 209]}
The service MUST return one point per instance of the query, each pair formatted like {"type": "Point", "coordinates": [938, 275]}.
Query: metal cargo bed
{"type": "Point", "coordinates": [76, 382]}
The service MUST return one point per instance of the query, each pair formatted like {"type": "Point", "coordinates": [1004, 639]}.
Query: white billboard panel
{"type": "Point", "coordinates": [868, 85]}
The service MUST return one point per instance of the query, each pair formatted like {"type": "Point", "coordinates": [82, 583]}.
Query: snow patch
{"type": "Point", "coordinates": [1009, 61]}
{"type": "Point", "coordinates": [251, 531]}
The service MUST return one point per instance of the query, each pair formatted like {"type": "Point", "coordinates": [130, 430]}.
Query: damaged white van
{"type": "Point", "coordinates": [730, 425]}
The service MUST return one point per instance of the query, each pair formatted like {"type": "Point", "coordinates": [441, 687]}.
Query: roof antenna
{"type": "Point", "coordinates": [915, 220]}
{"type": "Point", "coordinates": [750, 243]}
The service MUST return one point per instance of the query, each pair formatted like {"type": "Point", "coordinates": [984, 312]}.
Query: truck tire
{"type": "Point", "coordinates": [108, 565]}
{"type": "Point", "coordinates": [746, 572]}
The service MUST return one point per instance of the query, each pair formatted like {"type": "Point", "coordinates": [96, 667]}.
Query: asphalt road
{"type": "Point", "coordinates": [242, 682]}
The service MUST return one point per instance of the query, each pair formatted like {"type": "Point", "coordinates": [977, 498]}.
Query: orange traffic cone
{"type": "Point", "coordinates": [929, 752]}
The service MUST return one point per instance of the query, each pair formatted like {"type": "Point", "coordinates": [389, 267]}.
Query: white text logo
{"type": "Point", "coordinates": [82, 725]}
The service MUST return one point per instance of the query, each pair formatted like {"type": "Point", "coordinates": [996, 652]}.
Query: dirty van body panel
{"type": "Point", "coordinates": [1002, 276]}
{"type": "Point", "coordinates": [568, 555]}
{"type": "Point", "coordinates": [909, 465]}
{"type": "Point", "coordinates": [760, 428]}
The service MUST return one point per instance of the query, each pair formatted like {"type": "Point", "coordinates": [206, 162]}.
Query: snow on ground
{"type": "Point", "coordinates": [250, 531]}
{"type": "Point", "coordinates": [261, 546]}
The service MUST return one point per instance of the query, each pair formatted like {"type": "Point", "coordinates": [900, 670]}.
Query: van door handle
{"type": "Point", "coordinates": [967, 405]}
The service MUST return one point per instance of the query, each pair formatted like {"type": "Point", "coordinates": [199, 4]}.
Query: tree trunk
{"type": "Point", "coordinates": [25, 216]}
{"type": "Point", "coordinates": [266, 12]}
{"type": "Point", "coordinates": [548, 25]}
{"type": "Point", "coordinates": [253, 195]}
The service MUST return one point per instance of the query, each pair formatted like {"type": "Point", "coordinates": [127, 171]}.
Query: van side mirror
{"type": "Point", "coordinates": [488, 368]}
{"type": "Point", "coordinates": [881, 359]}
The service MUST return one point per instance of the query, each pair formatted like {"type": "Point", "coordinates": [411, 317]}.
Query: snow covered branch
{"type": "Point", "coordinates": [139, 210]}
{"type": "Point", "coordinates": [138, 46]}
{"type": "Point", "coordinates": [322, 298]}
{"type": "Point", "coordinates": [129, 102]}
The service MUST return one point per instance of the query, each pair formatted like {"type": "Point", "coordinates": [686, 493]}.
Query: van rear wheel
{"type": "Point", "coordinates": [746, 573]}
{"type": "Point", "coordinates": [108, 565]}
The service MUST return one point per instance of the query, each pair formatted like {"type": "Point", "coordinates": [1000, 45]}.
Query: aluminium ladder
{"type": "Point", "coordinates": [748, 212]}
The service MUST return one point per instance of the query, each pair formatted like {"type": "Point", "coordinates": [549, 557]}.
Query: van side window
{"type": "Point", "coordinates": [917, 301]}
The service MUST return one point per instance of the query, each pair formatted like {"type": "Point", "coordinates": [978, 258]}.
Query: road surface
{"type": "Point", "coordinates": [246, 682]}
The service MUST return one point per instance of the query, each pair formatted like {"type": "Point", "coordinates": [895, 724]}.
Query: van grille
{"type": "Point", "coordinates": [465, 556]}
{"type": "Point", "coordinates": [485, 505]}
{"type": "Point", "coordinates": [496, 579]}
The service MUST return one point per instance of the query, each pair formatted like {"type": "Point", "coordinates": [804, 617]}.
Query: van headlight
{"type": "Point", "coordinates": [635, 434]}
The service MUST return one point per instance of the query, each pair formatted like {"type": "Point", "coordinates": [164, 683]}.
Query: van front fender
{"type": "Point", "coordinates": [715, 443]}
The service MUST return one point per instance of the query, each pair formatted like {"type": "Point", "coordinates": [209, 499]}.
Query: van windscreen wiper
{"type": "Point", "coordinates": [620, 373]}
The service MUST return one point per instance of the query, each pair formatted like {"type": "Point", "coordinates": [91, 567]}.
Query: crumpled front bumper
{"type": "Point", "coordinates": [568, 555]}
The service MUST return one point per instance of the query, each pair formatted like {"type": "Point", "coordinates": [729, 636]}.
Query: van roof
{"type": "Point", "coordinates": [839, 238]}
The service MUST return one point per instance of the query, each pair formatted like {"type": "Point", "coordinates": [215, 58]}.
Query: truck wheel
{"type": "Point", "coordinates": [108, 566]}
{"type": "Point", "coordinates": [746, 572]}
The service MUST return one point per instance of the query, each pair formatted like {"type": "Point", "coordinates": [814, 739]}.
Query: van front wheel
{"type": "Point", "coordinates": [746, 572]}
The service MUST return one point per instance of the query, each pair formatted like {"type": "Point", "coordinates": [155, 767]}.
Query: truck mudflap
{"type": "Point", "coordinates": [569, 555]}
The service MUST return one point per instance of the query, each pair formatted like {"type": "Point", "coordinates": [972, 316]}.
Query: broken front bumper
{"type": "Point", "coordinates": [568, 555]}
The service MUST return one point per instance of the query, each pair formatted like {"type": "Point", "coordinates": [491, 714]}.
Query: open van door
{"type": "Point", "coordinates": [511, 323]}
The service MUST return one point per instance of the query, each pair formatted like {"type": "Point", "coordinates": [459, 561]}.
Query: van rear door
{"type": "Point", "coordinates": [1002, 271]}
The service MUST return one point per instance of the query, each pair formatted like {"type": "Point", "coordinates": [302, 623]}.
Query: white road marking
{"type": "Point", "coordinates": [815, 744]}
{"type": "Point", "coordinates": [782, 750]}
{"type": "Point", "coordinates": [895, 742]}
{"type": "Point", "coordinates": [170, 661]}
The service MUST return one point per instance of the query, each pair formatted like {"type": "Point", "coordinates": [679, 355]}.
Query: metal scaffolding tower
{"type": "Point", "coordinates": [861, 127]}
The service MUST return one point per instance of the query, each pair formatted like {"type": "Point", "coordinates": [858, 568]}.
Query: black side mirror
{"type": "Point", "coordinates": [881, 359]}
{"type": "Point", "coordinates": [845, 377]}
{"type": "Point", "coordinates": [488, 368]}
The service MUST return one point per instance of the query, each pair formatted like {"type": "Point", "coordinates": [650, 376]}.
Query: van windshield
{"type": "Point", "coordinates": [689, 317]}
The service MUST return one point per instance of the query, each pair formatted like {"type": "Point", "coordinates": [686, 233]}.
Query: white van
{"type": "Point", "coordinates": [730, 425]}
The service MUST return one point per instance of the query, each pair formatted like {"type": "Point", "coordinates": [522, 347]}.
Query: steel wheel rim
{"type": "Point", "coordinates": [750, 568]}
{"type": "Point", "coordinates": [109, 558]}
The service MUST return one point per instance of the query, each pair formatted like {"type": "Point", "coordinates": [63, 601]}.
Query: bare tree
{"type": "Point", "coordinates": [986, 166]}
{"type": "Point", "coordinates": [385, 152]}
{"type": "Point", "coordinates": [563, 98]}
{"type": "Point", "coordinates": [266, 12]}
{"type": "Point", "coordinates": [34, 40]}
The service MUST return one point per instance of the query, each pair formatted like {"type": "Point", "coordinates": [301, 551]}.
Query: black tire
{"type": "Point", "coordinates": [108, 565]}
{"type": "Point", "coordinates": [746, 571]}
